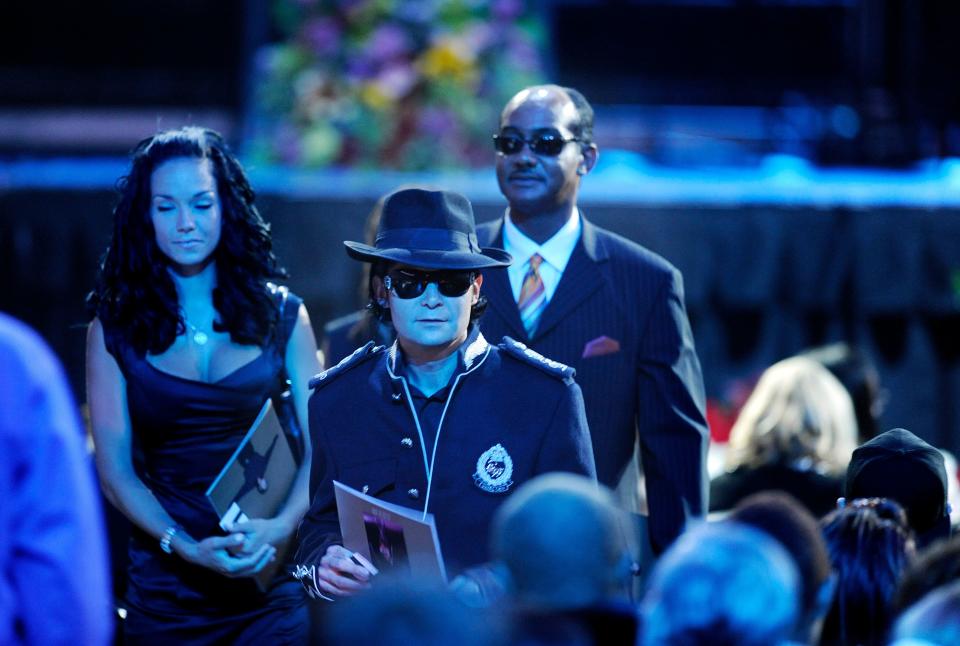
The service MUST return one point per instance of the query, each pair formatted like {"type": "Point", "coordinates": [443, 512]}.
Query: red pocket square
{"type": "Point", "coordinates": [600, 346]}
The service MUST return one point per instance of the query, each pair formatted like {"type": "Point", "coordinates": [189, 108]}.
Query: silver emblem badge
{"type": "Point", "coordinates": [494, 470]}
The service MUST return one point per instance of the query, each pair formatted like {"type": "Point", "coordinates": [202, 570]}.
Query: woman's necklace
{"type": "Point", "coordinates": [199, 336]}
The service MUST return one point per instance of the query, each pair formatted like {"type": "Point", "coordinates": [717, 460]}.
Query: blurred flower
{"type": "Point", "coordinates": [288, 143]}
{"type": "Point", "coordinates": [396, 81]}
{"type": "Point", "coordinates": [373, 96]}
{"type": "Point", "coordinates": [388, 42]}
{"type": "Point", "coordinates": [359, 68]}
{"type": "Point", "coordinates": [448, 57]}
{"type": "Point", "coordinates": [422, 11]}
{"type": "Point", "coordinates": [322, 35]}
{"type": "Point", "coordinates": [321, 145]}
{"type": "Point", "coordinates": [436, 122]}
{"type": "Point", "coordinates": [521, 54]}
{"type": "Point", "coordinates": [478, 36]}
{"type": "Point", "coordinates": [506, 9]}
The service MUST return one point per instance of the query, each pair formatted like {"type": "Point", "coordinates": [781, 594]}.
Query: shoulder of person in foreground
{"type": "Point", "coordinates": [57, 549]}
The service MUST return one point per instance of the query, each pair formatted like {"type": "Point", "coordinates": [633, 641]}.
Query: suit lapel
{"type": "Point", "coordinates": [581, 278]}
{"type": "Point", "coordinates": [496, 286]}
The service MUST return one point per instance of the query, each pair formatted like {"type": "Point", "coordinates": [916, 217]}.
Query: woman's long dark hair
{"type": "Point", "coordinates": [135, 295]}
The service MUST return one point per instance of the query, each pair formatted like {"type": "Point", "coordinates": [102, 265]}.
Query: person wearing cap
{"type": "Point", "coordinates": [442, 421]}
{"type": "Point", "coordinates": [602, 304]}
{"type": "Point", "coordinates": [899, 465]}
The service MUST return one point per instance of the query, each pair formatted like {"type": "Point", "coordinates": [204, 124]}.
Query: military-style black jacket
{"type": "Point", "coordinates": [510, 415]}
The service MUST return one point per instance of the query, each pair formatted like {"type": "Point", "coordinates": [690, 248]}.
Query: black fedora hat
{"type": "Point", "coordinates": [428, 229]}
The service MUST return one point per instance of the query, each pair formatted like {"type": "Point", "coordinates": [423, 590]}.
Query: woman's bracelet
{"type": "Point", "coordinates": [166, 541]}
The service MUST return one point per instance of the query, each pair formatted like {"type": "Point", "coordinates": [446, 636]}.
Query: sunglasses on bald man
{"type": "Point", "coordinates": [547, 141]}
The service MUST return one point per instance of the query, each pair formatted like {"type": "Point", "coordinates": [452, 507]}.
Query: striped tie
{"type": "Point", "coordinates": [533, 297]}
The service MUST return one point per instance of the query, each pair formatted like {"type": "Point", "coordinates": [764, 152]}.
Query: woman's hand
{"type": "Point", "coordinates": [339, 574]}
{"type": "Point", "coordinates": [258, 532]}
{"type": "Point", "coordinates": [218, 553]}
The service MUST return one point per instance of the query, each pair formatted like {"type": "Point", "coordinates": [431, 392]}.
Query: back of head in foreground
{"type": "Point", "coordinates": [781, 516]}
{"type": "Point", "coordinates": [399, 611]}
{"type": "Point", "coordinates": [870, 545]}
{"type": "Point", "coordinates": [932, 621]}
{"type": "Point", "coordinates": [721, 584]}
{"type": "Point", "coordinates": [564, 543]}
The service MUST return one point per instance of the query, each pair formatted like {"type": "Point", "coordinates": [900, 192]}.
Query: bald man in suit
{"type": "Point", "coordinates": [602, 304]}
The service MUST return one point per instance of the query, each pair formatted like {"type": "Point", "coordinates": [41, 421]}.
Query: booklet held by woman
{"type": "Point", "coordinates": [256, 480]}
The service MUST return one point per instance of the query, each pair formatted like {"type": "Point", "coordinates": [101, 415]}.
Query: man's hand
{"type": "Point", "coordinates": [339, 574]}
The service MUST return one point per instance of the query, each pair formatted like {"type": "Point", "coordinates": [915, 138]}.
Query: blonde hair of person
{"type": "Point", "coordinates": [798, 414]}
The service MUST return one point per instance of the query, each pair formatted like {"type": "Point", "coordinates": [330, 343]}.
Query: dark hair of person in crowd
{"type": "Point", "coordinates": [870, 545]}
{"type": "Point", "coordinates": [936, 566]}
{"type": "Point", "coordinates": [135, 293]}
{"type": "Point", "coordinates": [784, 518]}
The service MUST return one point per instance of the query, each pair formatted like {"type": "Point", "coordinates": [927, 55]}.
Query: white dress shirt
{"type": "Point", "coordinates": [555, 252]}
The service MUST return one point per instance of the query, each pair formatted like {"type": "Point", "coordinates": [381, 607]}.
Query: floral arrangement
{"type": "Point", "coordinates": [400, 84]}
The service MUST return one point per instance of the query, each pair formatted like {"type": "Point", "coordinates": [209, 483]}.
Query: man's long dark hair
{"type": "Point", "coordinates": [135, 294]}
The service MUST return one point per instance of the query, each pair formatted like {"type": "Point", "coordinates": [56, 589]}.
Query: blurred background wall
{"type": "Point", "coordinates": [795, 159]}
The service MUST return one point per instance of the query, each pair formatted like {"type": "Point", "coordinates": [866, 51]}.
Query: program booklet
{"type": "Point", "coordinates": [390, 537]}
{"type": "Point", "coordinates": [256, 480]}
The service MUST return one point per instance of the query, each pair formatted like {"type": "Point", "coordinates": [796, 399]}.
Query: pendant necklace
{"type": "Point", "coordinates": [199, 336]}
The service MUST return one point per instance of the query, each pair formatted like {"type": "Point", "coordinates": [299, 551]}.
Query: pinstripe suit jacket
{"type": "Point", "coordinates": [652, 384]}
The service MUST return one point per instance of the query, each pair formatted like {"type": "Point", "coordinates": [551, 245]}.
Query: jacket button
{"type": "Point", "coordinates": [406, 442]}
{"type": "Point", "coordinates": [413, 493]}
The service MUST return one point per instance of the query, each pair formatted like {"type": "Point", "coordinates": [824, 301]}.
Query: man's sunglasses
{"type": "Point", "coordinates": [543, 142]}
{"type": "Point", "coordinates": [410, 284]}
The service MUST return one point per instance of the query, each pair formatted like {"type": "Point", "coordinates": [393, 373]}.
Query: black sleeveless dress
{"type": "Point", "coordinates": [184, 431]}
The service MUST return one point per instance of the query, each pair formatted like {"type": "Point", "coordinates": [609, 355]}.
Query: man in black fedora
{"type": "Point", "coordinates": [442, 421]}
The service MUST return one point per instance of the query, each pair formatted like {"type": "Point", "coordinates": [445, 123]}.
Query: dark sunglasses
{"type": "Point", "coordinates": [543, 142]}
{"type": "Point", "coordinates": [410, 284]}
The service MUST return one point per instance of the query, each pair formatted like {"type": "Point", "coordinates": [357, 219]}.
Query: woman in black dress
{"type": "Point", "coordinates": [187, 342]}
